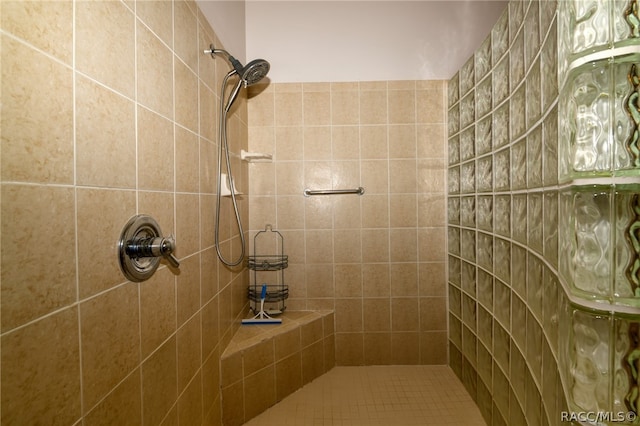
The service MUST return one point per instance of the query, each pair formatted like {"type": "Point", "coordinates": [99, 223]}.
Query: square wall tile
{"type": "Point", "coordinates": [105, 137]}
{"type": "Point", "coordinates": [37, 122]}
{"type": "Point", "coordinates": [36, 281]}
{"type": "Point", "coordinates": [109, 327]}
{"type": "Point", "coordinates": [106, 24]}
{"type": "Point", "coordinates": [43, 355]}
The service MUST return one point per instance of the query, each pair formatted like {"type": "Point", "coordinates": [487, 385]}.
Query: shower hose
{"type": "Point", "coordinates": [224, 148]}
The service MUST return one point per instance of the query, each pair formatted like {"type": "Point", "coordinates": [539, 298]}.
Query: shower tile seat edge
{"type": "Point", "coordinates": [263, 364]}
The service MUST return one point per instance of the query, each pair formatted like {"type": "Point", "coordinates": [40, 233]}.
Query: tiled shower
{"type": "Point", "coordinates": [108, 110]}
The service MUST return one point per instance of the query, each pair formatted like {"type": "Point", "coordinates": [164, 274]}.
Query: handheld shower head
{"type": "Point", "coordinates": [254, 71]}
{"type": "Point", "coordinates": [251, 73]}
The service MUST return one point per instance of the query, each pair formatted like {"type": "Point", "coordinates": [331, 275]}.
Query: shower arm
{"type": "Point", "coordinates": [237, 66]}
{"type": "Point", "coordinates": [213, 52]}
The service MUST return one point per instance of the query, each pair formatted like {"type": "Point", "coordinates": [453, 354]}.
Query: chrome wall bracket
{"type": "Point", "coordinates": [142, 246]}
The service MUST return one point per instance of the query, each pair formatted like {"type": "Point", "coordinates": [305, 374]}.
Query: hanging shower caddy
{"type": "Point", "coordinates": [268, 269]}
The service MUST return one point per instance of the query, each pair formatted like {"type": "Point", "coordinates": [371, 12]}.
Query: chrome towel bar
{"type": "Point", "coordinates": [308, 192]}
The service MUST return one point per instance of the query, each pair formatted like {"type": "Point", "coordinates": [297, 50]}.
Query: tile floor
{"type": "Point", "coordinates": [377, 395]}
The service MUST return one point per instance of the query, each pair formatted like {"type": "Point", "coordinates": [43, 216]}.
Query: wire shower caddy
{"type": "Point", "coordinates": [268, 268]}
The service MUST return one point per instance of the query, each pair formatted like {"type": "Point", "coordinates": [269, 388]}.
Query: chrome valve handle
{"type": "Point", "coordinates": [153, 247]}
{"type": "Point", "coordinates": [141, 246]}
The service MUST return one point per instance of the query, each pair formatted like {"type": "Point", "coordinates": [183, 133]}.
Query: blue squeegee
{"type": "Point", "coordinates": [262, 317]}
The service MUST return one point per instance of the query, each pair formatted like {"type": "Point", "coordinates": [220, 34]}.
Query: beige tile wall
{"type": "Point", "coordinates": [108, 110]}
{"type": "Point", "coordinates": [379, 259]}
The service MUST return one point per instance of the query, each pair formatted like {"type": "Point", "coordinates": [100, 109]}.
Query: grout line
{"type": "Point", "coordinates": [77, 303]}
{"type": "Point", "coordinates": [137, 206]}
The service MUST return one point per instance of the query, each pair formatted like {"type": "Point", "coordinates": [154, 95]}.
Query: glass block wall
{"type": "Point", "coordinates": [529, 343]}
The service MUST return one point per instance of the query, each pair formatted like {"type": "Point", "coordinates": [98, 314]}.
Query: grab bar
{"type": "Point", "coordinates": [308, 192]}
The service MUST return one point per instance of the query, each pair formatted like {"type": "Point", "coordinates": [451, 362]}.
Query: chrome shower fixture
{"type": "Point", "coordinates": [251, 73]}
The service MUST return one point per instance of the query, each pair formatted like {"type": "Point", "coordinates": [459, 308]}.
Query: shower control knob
{"type": "Point", "coordinates": [168, 246]}
{"type": "Point", "coordinates": [141, 246]}
{"type": "Point", "coordinates": [153, 247]}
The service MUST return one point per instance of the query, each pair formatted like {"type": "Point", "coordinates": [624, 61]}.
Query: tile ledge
{"type": "Point", "coordinates": [251, 335]}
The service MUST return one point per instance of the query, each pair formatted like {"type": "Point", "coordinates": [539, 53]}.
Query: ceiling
{"type": "Point", "coordinates": [320, 41]}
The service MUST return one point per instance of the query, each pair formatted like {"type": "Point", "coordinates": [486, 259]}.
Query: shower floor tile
{"type": "Point", "coordinates": [377, 395]}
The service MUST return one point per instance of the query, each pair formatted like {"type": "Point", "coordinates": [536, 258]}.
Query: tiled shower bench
{"type": "Point", "coordinates": [265, 363]}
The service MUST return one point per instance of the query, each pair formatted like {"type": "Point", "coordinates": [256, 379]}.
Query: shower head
{"type": "Point", "coordinates": [251, 73]}
{"type": "Point", "coordinates": [254, 71]}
